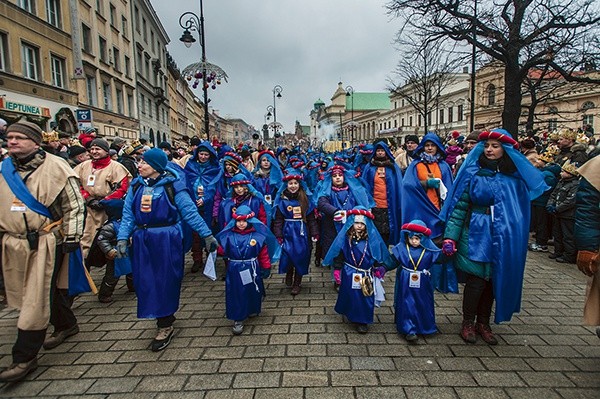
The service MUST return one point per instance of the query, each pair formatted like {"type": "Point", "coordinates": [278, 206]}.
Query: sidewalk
{"type": "Point", "coordinates": [300, 348]}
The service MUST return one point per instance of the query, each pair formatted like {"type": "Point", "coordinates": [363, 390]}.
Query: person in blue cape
{"type": "Point", "coordinates": [362, 157]}
{"type": "Point", "coordinates": [250, 247]}
{"type": "Point", "coordinates": [358, 254]}
{"type": "Point", "coordinates": [242, 192]}
{"type": "Point", "coordinates": [267, 175]}
{"type": "Point", "coordinates": [384, 181]}
{"type": "Point", "coordinates": [154, 224]}
{"type": "Point", "coordinates": [295, 227]}
{"type": "Point", "coordinates": [487, 215]}
{"type": "Point", "coordinates": [202, 176]}
{"type": "Point", "coordinates": [338, 192]}
{"type": "Point", "coordinates": [425, 185]}
{"type": "Point", "coordinates": [414, 307]}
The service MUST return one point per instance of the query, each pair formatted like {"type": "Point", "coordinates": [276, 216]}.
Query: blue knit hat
{"type": "Point", "coordinates": [156, 158]}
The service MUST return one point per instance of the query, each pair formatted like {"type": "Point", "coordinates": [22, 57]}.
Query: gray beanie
{"type": "Point", "coordinates": [29, 129]}
{"type": "Point", "coordinates": [100, 143]}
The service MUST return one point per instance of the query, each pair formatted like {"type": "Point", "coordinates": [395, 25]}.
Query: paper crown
{"type": "Point", "coordinates": [546, 157]}
{"type": "Point", "coordinates": [569, 134]}
{"type": "Point", "coordinates": [48, 137]}
{"type": "Point", "coordinates": [74, 142]}
{"type": "Point", "coordinates": [136, 145]}
{"type": "Point", "coordinates": [554, 136]}
{"type": "Point", "coordinates": [582, 138]}
{"type": "Point", "coordinates": [571, 168]}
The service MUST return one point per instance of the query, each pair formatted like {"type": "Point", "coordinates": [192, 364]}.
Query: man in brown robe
{"type": "Point", "coordinates": [34, 246]}
{"type": "Point", "coordinates": [99, 178]}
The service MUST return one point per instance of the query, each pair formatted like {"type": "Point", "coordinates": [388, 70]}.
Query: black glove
{"type": "Point", "coordinates": [122, 249]}
{"type": "Point", "coordinates": [95, 205]}
{"type": "Point", "coordinates": [210, 243]}
{"type": "Point", "coordinates": [71, 246]}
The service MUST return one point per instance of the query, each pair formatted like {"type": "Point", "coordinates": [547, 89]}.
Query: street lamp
{"type": "Point", "coordinates": [350, 93]}
{"type": "Point", "coordinates": [211, 75]}
{"type": "Point", "coordinates": [276, 94]}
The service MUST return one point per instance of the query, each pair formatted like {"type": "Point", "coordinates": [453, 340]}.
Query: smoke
{"type": "Point", "coordinates": [326, 131]}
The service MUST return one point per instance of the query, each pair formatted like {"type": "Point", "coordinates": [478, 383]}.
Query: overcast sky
{"type": "Point", "coordinates": [306, 46]}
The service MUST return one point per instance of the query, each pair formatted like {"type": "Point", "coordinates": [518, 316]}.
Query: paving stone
{"type": "Point", "coordinates": [584, 379]}
{"type": "Point", "coordinates": [528, 393]}
{"type": "Point", "coordinates": [98, 357]}
{"type": "Point", "coordinates": [163, 383]}
{"type": "Point", "coordinates": [278, 393]}
{"type": "Point", "coordinates": [502, 364]}
{"type": "Point", "coordinates": [288, 339]}
{"type": "Point", "coordinates": [328, 363]}
{"type": "Point", "coordinates": [428, 393]}
{"type": "Point", "coordinates": [152, 368]}
{"type": "Point", "coordinates": [307, 350]}
{"type": "Point", "coordinates": [481, 393]}
{"type": "Point", "coordinates": [388, 350]}
{"type": "Point", "coordinates": [62, 372]}
{"type": "Point", "coordinates": [353, 378]}
{"type": "Point", "coordinates": [198, 367]}
{"type": "Point", "coordinates": [209, 381]}
{"type": "Point", "coordinates": [449, 378]}
{"type": "Point", "coordinates": [347, 350]}
{"type": "Point", "coordinates": [330, 393]}
{"type": "Point", "coordinates": [254, 380]}
{"type": "Point", "coordinates": [27, 389]}
{"type": "Point", "coordinates": [108, 370]}
{"type": "Point", "coordinates": [380, 393]}
{"type": "Point", "coordinates": [372, 363]}
{"type": "Point", "coordinates": [462, 363]}
{"type": "Point", "coordinates": [305, 378]}
{"type": "Point", "coordinates": [223, 353]}
{"type": "Point", "coordinates": [181, 354]}
{"type": "Point", "coordinates": [551, 364]}
{"type": "Point", "coordinates": [265, 351]}
{"type": "Point", "coordinates": [114, 385]}
{"type": "Point", "coordinates": [229, 394]}
{"type": "Point", "coordinates": [402, 378]}
{"type": "Point", "coordinates": [578, 393]}
{"type": "Point", "coordinates": [241, 365]}
{"type": "Point", "coordinates": [62, 386]}
{"type": "Point", "coordinates": [498, 379]}
{"type": "Point", "coordinates": [586, 364]}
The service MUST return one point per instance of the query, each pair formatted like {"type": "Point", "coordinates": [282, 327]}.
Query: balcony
{"type": "Point", "coordinates": [159, 95]}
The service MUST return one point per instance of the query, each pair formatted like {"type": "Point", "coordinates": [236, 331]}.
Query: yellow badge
{"type": "Point", "coordinates": [253, 242]}
{"type": "Point", "coordinates": [289, 208]}
{"type": "Point", "coordinates": [233, 209]}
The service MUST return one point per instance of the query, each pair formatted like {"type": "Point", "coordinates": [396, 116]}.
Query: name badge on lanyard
{"type": "Point", "coordinates": [268, 199]}
{"type": "Point", "coordinates": [91, 180]}
{"type": "Point", "coordinates": [18, 206]}
{"type": "Point", "coordinates": [146, 203]}
{"type": "Point", "coordinates": [415, 280]}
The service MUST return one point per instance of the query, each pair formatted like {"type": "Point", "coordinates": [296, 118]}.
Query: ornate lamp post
{"type": "Point", "coordinates": [352, 124]}
{"type": "Point", "coordinates": [276, 94]}
{"type": "Point", "coordinates": [211, 75]}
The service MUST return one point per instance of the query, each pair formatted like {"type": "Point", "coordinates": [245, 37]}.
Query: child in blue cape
{"type": "Point", "coordinates": [250, 248]}
{"type": "Point", "coordinates": [358, 254]}
{"type": "Point", "coordinates": [413, 303]}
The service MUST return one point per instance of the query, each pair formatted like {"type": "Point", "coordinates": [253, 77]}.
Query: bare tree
{"type": "Point", "coordinates": [521, 34]}
{"type": "Point", "coordinates": [425, 69]}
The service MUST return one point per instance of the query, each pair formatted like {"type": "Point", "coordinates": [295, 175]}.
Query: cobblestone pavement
{"type": "Point", "coordinates": [300, 348]}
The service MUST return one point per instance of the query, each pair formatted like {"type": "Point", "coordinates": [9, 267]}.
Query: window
{"type": "Point", "coordinates": [429, 116]}
{"type": "Point", "coordinates": [30, 57]}
{"type": "Point", "coordinates": [147, 68]}
{"type": "Point", "coordinates": [127, 66]}
{"type": "Point", "coordinates": [119, 94]}
{"type": "Point", "coordinates": [450, 114]}
{"type": "Point", "coordinates": [100, 7]}
{"type": "Point", "coordinates": [588, 105]}
{"type": "Point", "coordinates": [3, 52]}
{"type": "Point", "coordinates": [552, 124]}
{"type": "Point", "coordinates": [57, 66]}
{"type": "Point", "coordinates": [419, 120]}
{"type": "Point", "coordinates": [113, 16]}
{"type": "Point", "coordinates": [130, 104]}
{"type": "Point", "coordinates": [117, 59]}
{"type": "Point", "coordinates": [142, 104]}
{"type": "Point", "coordinates": [139, 59]}
{"type": "Point", "coordinates": [152, 41]}
{"type": "Point", "coordinates": [461, 112]}
{"type": "Point", "coordinates": [107, 96]}
{"type": "Point", "coordinates": [86, 38]}
{"type": "Point", "coordinates": [137, 19]}
{"type": "Point", "coordinates": [491, 94]}
{"type": "Point", "coordinates": [588, 120]}
{"type": "Point", "coordinates": [402, 121]}
{"type": "Point", "coordinates": [90, 83]}
{"type": "Point", "coordinates": [150, 107]}
{"type": "Point", "coordinates": [27, 5]}
{"type": "Point", "coordinates": [124, 29]}
{"type": "Point", "coordinates": [144, 30]}
{"type": "Point", "coordinates": [441, 119]}
{"type": "Point", "coordinates": [53, 13]}
{"type": "Point", "coordinates": [102, 49]}
{"type": "Point", "coordinates": [410, 121]}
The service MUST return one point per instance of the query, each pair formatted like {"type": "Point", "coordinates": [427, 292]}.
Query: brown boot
{"type": "Point", "coordinates": [17, 371]}
{"type": "Point", "coordinates": [486, 333]}
{"type": "Point", "coordinates": [289, 276]}
{"type": "Point", "coordinates": [296, 284]}
{"type": "Point", "coordinates": [468, 332]}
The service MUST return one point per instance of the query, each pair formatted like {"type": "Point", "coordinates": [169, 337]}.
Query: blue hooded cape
{"type": "Point", "coordinates": [275, 176]}
{"type": "Point", "coordinates": [393, 179]}
{"type": "Point", "coordinates": [509, 229]}
{"type": "Point", "coordinates": [415, 203]}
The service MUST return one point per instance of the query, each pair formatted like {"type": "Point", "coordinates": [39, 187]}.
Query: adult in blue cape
{"type": "Point", "coordinates": [267, 175]}
{"type": "Point", "coordinates": [153, 222]}
{"type": "Point", "coordinates": [338, 192]}
{"type": "Point", "coordinates": [425, 185]}
{"type": "Point", "coordinates": [358, 253]}
{"type": "Point", "coordinates": [202, 176]}
{"type": "Point", "coordinates": [362, 157]}
{"type": "Point", "coordinates": [384, 181]}
{"type": "Point", "coordinates": [250, 247]}
{"type": "Point", "coordinates": [487, 215]}
{"type": "Point", "coordinates": [295, 227]}
{"type": "Point", "coordinates": [414, 306]}
{"type": "Point", "coordinates": [242, 192]}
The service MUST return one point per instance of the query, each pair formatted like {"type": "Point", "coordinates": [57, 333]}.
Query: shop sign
{"type": "Point", "coordinates": [84, 118]}
{"type": "Point", "coordinates": [21, 108]}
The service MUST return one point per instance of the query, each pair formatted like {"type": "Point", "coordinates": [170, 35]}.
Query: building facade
{"type": "Point", "coordinates": [150, 40]}
{"type": "Point", "coordinates": [36, 64]}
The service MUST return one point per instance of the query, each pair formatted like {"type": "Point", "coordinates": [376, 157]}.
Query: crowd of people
{"type": "Point", "coordinates": [440, 209]}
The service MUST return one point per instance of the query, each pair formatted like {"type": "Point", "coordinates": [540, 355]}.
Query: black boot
{"type": "Point", "coordinates": [296, 284]}
{"type": "Point", "coordinates": [289, 276]}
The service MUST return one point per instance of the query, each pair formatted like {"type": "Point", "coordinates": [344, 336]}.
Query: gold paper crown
{"type": "Point", "coordinates": [553, 136]}
{"type": "Point", "coordinates": [74, 142]}
{"type": "Point", "coordinates": [582, 138]}
{"type": "Point", "coordinates": [48, 137]}
{"type": "Point", "coordinates": [568, 134]}
{"type": "Point", "coordinates": [136, 144]}
{"type": "Point", "coordinates": [553, 149]}
{"type": "Point", "coordinates": [570, 168]}
{"type": "Point", "coordinates": [546, 157]}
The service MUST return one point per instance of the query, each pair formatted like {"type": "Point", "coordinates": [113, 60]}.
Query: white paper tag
{"type": "Point", "coordinates": [209, 267]}
{"type": "Point", "coordinates": [246, 277]}
{"type": "Point", "coordinates": [415, 280]}
{"type": "Point", "coordinates": [268, 199]}
{"type": "Point", "coordinates": [18, 206]}
{"type": "Point", "coordinates": [344, 217]}
{"type": "Point", "coordinates": [356, 278]}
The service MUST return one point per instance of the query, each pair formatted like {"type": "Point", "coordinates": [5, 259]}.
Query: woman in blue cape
{"type": "Point", "coordinates": [202, 176]}
{"type": "Point", "coordinates": [295, 227]}
{"type": "Point", "coordinates": [250, 247]}
{"type": "Point", "coordinates": [338, 192]}
{"type": "Point", "coordinates": [154, 224]}
{"type": "Point", "coordinates": [425, 185]}
{"type": "Point", "coordinates": [383, 179]}
{"type": "Point", "coordinates": [242, 192]}
{"type": "Point", "coordinates": [414, 307]}
{"type": "Point", "coordinates": [487, 215]}
{"type": "Point", "coordinates": [358, 254]}
{"type": "Point", "coordinates": [267, 176]}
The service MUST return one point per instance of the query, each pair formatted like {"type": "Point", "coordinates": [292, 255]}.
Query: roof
{"type": "Point", "coordinates": [368, 101]}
